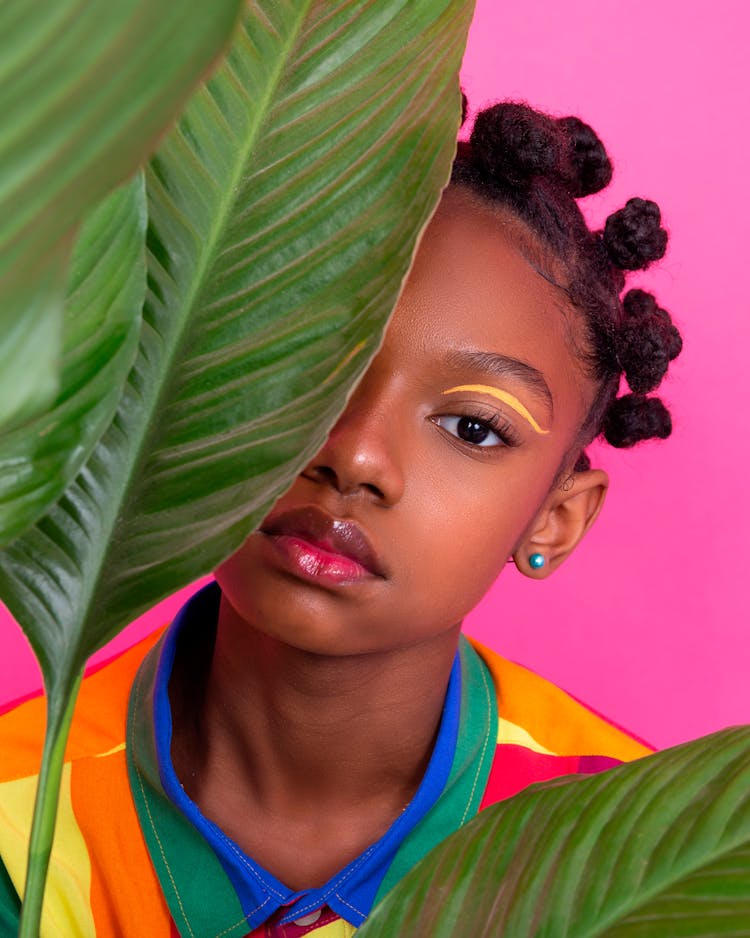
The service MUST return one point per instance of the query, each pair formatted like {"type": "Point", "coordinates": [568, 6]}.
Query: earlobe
{"type": "Point", "coordinates": [568, 512]}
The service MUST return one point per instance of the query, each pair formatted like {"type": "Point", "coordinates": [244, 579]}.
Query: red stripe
{"type": "Point", "coordinates": [17, 701]}
{"type": "Point", "coordinates": [515, 767]}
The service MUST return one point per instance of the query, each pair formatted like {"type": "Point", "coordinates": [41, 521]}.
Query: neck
{"type": "Point", "coordinates": [301, 732]}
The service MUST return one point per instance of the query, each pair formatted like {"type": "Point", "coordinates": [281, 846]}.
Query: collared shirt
{"type": "Point", "coordinates": [133, 856]}
{"type": "Point", "coordinates": [176, 831]}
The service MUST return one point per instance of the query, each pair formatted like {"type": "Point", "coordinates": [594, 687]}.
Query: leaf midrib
{"type": "Point", "coordinates": [129, 477]}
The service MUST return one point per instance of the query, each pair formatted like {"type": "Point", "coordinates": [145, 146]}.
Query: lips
{"type": "Point", "coordinates": [331, 538]}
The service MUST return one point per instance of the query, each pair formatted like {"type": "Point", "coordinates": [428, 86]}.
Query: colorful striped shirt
{"type": "Point", "coordinates": [134, 856]}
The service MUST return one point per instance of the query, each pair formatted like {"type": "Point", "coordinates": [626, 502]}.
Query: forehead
{"type": "Point", "coordinates": [471, 288]}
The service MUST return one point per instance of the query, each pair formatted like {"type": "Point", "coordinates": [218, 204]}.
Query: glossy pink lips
{"type": "Point", "coordinates": [322, 548]}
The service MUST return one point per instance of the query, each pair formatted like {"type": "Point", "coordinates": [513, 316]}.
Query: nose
{"type": "Point", "coordinates": [364, 452]}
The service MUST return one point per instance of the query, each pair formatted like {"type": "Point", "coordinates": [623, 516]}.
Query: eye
{"type": "Point", "coordinates": [471, 430]}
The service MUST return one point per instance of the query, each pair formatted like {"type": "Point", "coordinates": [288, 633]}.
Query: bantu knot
{"type": "Point", "coordinates": [633, 418]}
{"type": "Point", "coordinates": [513, 143]}
{"type": "Point", "coordinates": [634, 236]}
{"type": "Point", "coordinates": [590, 167]}
{"type": "Point", "coordinates": [648, 341]}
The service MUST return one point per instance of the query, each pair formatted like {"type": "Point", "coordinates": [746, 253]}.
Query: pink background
{"type": "Point", "coordinates": [648, 621]}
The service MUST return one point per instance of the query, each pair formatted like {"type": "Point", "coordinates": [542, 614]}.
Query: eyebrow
{"type": "Point", "coordinates": [502, 366]}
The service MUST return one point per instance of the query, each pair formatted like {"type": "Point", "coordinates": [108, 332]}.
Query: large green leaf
{"type": "Point", "coordinates": [85, 91]}
{"type": "Point", "coordinates": [101, 326]}
{"type": "Point", "coordinates": [283, 210]}
{"type": "Point", "coordinates": [659, 848]}
{"type": "Point", "coordinates": [283, 214]}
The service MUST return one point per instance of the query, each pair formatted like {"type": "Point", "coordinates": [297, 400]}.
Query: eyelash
{"type": "Point", "coordinates": [494, 421]}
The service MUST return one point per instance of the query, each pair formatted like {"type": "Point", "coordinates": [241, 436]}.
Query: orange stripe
{"type": "Point", "coordinates": [554, 719]}
{"type": "Point", "coordinates": [98, 722]}
{"type": "Point", "coordinates": [125, 892]}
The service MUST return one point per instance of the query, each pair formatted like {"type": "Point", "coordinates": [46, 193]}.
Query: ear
{"type": "Point", "coordinates": [568, 512]}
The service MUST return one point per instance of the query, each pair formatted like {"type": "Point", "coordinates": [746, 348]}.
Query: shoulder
{"type": "Point", "coordinates": [98, 722]}
{"type": "Point", "coordinates": [544, 732]}
{"type": "Point", "coordinates": [535, 712]}
{"type": "Point", "coordinates": [96, 821]}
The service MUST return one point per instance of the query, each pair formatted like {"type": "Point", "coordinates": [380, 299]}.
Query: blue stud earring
{"type": "Point", "coordinates": [537, 561]}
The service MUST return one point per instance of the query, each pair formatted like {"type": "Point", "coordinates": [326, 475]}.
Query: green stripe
{"type": "Point", "coordinates": [200, 895]}
{"type": "Point", "coordinates": [475, 750]}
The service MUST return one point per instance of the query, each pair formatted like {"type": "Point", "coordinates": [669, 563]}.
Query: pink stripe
{"type": "Point", "coordinates": [515, 767]}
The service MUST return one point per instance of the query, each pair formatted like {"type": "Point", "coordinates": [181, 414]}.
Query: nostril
{"type": "Point", "coordinates": [374, 489]}
{"type": "Point", "coordinates": [326, 474]}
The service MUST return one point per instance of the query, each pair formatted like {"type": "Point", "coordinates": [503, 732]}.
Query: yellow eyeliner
{"type": "Point", "coordinates": [501, 395]}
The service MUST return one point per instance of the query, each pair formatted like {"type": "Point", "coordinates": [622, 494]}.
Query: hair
{"type": "Point", "coordinates": [535, 167]}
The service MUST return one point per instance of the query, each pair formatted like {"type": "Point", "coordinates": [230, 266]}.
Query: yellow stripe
{"type": "Point", "coordinates": [505, 396]}
{"type": "Point", "coordinates": [110, 752]}
{"type": "Point", "coordinates": [66, 899]}
{"type": "Point", "coordinates": [508, 732]}
{"type": "Point", "coordinates": [339, 929]}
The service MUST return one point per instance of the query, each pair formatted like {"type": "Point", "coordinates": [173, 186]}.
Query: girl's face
{"type": "Point", "coordinates": [445, 462]}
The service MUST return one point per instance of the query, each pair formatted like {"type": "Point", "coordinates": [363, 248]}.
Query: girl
{"type": "Point", "coordinates": [313, 724]}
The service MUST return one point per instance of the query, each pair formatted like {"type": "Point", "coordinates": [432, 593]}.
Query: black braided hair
{"type": "Point", "coordinates": [537, 166]}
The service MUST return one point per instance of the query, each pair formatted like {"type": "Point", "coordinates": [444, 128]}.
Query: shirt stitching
{"type": "Point", "coordinates": [349, 905]}
{"type": "Point", "coordinates": [246, 861]}
{"type": "Point", "coordinates": [243, 919]}
{"type": "Point", "coordinates": [158, 840]}
{"type": "Point", "coordinates": [315, 902]}
{"type": "Point", "coordinates": [484, 747]}
{"type": "Point", "coordinates": [148, 810]}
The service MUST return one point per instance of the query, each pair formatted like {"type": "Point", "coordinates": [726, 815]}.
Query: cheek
{"type": "Point", "coordinates": [465, 539]}
{"type": "Point", "coordinates": [480, 556]}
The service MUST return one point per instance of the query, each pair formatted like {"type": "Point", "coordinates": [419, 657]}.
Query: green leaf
{"type": "Point", "coordinates": [86, 89]}
{"type": "Point", "coordinates": [283, 210]}
{"type": "Point", "coordinates": [31, 314]}
{"type": "Point", "coordinates": [656, 848]}
{"type": "Point", "coordinates": [283, 214]}
{"type": "Point", "coordinates": [101, 326]}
